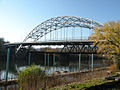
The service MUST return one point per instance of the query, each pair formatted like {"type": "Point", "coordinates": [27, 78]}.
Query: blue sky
{"type": "Point", "coordinates": [19, 17]}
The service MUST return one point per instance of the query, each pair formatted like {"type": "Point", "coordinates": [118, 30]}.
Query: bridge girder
{"type": "Point", "coordinates": [83, 49]}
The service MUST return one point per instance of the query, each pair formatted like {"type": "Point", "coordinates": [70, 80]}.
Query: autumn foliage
{"type": "Point", "coordinates": [107, 38]}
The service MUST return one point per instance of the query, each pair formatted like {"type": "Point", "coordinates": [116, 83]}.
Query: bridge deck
{"type": "Point", "coordinates": [64, 42]}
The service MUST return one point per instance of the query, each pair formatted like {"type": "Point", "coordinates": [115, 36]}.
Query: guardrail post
{"type": "Point", "coordinates": [7, 64]}
{"type": "Point", "coordinates": [92, 62]}
{"type": "Point", "coordinates": [79, 60]}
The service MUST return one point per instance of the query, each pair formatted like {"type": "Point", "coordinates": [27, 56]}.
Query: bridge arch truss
{"type": "Point", "coordinates": [57, 23]}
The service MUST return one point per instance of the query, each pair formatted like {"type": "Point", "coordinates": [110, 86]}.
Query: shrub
{"type": "Point", "coordinates": [30, 77]}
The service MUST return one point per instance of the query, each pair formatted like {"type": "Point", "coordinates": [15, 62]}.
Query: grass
{"type": "Point", "coordinates": [82, 85]}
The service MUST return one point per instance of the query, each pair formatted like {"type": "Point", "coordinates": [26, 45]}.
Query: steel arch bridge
{"type": "Point", "coordinates": [57, 23]}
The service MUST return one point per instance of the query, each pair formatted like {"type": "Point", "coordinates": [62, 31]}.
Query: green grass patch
{"type": "Point", "coordinates": [82, 85]}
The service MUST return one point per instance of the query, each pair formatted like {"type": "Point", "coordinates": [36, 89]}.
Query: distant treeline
{"type": "Point", "coordinates": [3, 49]}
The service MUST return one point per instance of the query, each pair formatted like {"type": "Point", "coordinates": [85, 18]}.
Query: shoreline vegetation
{"type": "Point", "coordinates": [87, 85]}
{"type": "Point", "coordinates": [103, 83]}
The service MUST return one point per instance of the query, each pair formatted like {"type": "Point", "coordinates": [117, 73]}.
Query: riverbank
{"type": "Point", "coordinates": [60, 79]}
{"type": "Point", "coordinates": [80, 80]}
{"type": "Point", "coordinates": [95, 84]}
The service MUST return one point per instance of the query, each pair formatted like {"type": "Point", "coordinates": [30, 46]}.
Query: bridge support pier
{"type": "Point", "coordinates": [79, 60]}
{"type": "Point", "coordinates": [7, 64]}
{"type": "Point", "coordinates": [53, 59]}
{"type": "Point", "coordinates": [29, 59]}
{"type": "Point", "coordinates": [45, 59]}
{"type": "Point", "coordinates": [48, 59]}
{"type": "Point", "coordinates": [92, 61]}
{"type": "Point", "coordinates": [89, 61]}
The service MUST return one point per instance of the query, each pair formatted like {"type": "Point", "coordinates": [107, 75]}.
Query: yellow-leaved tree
{"type": "Point", "coordinates": [107, 39]}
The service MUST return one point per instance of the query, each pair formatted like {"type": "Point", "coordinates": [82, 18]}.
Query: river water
{"type": "Point", "coordinates": [68, 63]}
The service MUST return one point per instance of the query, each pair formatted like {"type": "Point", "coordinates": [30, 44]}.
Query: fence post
{"type": "Point", "coordinates": [7, 64]}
